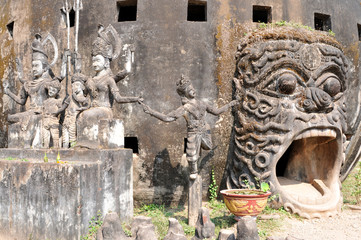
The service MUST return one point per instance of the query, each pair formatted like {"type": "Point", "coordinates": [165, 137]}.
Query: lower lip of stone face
{"type": "Point", "coordinates": [307, 172]}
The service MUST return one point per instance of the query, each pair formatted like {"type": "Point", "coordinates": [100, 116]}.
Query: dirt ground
{"type": "Point", "coordinates": [345, 226]}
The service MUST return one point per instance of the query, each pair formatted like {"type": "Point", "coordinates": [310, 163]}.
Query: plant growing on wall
{"type": "Point", "coordinates": [213, 187]}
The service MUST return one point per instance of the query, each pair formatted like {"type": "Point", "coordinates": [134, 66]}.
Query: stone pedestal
{"type": "Point", "coordinates": [57, 200]}
{"type": "Point", "coordinates": [106, 134]}
{"type": "Point", "coordinates": [194, 199]}
{"type": "Point", "coordinates": [29, 137]}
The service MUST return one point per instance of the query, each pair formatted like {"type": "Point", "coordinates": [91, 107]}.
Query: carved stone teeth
{"type": "Point", "coordinates": [317, 133]}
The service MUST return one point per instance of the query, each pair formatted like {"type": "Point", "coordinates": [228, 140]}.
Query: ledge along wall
{"type": "Point", "coordinates": [57, 200]}
{"type": "Point", "coordinates": [165, 45]}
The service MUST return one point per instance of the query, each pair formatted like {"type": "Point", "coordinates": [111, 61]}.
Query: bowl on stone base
{"type": "Point", "coordinates": [245, 202]}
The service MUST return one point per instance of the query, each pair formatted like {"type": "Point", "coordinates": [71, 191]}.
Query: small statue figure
{"type": "Point", "coordinates": [35, 88]}
{"type": "Point", "coordinates": [78, 103]}
{"type": "Point", "coordinates": [194, 112]}
{"type": "Point", "coordinates": [51, 110]}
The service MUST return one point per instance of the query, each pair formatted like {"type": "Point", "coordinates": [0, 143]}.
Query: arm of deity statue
{"type": "Point", "coordinates": [216, 111]}
{"type": "Point", "coordinates": [120, 75]}
{"type": "Point", "coordinates": [115, 91]}
{"type": "Point", "coordinates": [21, 99]}
{"type": "Point", "coordinates": [170, 117]}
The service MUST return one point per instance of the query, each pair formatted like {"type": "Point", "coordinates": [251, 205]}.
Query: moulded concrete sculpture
{"type": "Point", "coordinates": [289, 128]}
{"type": "Point", "coordinates": [25, 129]}
{"type": "Point", "coordinates": [194, 112]}
{"type": "Point", "coordinates": [96, 126]}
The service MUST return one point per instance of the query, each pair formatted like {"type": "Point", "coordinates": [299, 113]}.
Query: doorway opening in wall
{"type": "Point", "coordinates": [10, 28]}
{"type": "Point", "coordinates": [359, 31]}
{"type": "Point", "coordinates": [197, 11]}
{"type": "Point", "coordinates": [322, 22]}
{"type": "Point", "coordinates": [127, 10]}
{"type": "Point", "coordinates": [132, 143]}
{"type": "Point", "coordinates": [262, 14]}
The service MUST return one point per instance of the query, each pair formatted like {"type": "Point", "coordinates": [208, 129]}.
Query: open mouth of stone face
{"type": "Point", "coordinates": [308, 170]}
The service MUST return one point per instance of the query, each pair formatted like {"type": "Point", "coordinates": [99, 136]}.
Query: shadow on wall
{"type": "Point", "coordinates": [170, 183]}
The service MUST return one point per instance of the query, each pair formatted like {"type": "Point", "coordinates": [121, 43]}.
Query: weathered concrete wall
{"type": "Point", "coordinates": [166, 45]}
{"type": "Point", "coordinates": [57, 200]}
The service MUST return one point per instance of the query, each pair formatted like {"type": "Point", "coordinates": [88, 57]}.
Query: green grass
{"type": "Point", "coordinates": [160, 215]}
{"type": "Point", "coordinates": [348, 187]}
{"type": "Point", "coordinates": [288, 24]}
{"type": "Point", "coordinates": [219, 214]}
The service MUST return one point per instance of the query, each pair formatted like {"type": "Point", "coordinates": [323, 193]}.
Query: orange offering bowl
{"type": "Point", "coordinates": [245, 202]}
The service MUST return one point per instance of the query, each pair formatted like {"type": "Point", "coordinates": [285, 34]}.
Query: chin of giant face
{"type": "Point", "coordinates": [289, 129]}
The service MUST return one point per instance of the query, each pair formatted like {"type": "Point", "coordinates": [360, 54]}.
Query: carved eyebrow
{"type": "Point", "coordinates": [329, 68]}
{"type": "Point", "coordinates": [283, 65]}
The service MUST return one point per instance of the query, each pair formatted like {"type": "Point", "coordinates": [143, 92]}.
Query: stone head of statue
{"type": "Point", "coordinates": [289, 128]}
{"type": "Point", "coordinates": [53, 88]}
{"type": "Point", "coordinates": [102, 51]}
{"type": "Point", "coordinates": [40, 62]}
{"type": "Point", "coordinates": [185, 88]}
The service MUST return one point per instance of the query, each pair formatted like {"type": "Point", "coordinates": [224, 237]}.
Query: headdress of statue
{"type": "Point", "coordinates": [182, 84]}
{"type": "Point", "coordinates": [105, 45]}
{"type": "Point", "coordinates": [55, 84]}
{"type": "Point", "coordinates": [78, 77]}
{"type": "Point", "coordinates": [38, 49]}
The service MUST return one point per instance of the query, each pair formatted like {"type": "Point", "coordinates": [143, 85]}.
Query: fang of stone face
{"type": "Point", "coordinates": [296, 142]}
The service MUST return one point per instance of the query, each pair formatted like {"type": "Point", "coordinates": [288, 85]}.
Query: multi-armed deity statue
{"type": "Point", "coordinates": [26, 125]}
{"type": "Point", "coordinates": [194, 112]}
{"type": "Point", "coordinates": [290, 126]}
{"type": "Point", "coordinates": [99, 117]}
{"type": "Point", "coordinates": [88, 116]}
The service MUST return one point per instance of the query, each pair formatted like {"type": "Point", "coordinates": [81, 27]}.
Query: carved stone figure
{"type": "Point", "coordinates": [290, 126]}
{"type": "Point", "coordinates": [35, 91]}
{"type": "Point", "coordinates": [78, 103]}
{"type": "Point", "coordinates": [194, 112]}
{"type": "Point", "coordinates": [53, 106]}
{"type": "Point", "coordinates": [102, 86]}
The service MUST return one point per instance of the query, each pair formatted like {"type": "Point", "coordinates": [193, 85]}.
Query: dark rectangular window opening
{"type": "Point", "coordinates": [10, 28]}
{"type": "Point", "coordinates": [132, 143]}
{"type": "Point", "coordinates": [262, 14]}
{"type": "Point", "coordinates": [71, 17]}
{"type": "Point", "coordinates": [322, 22]}
{"type": "Point", "coordinates": [127, 10]}
{"type": "Point", "coordinates": [185, 145]}
{"type": "Point", "coordinates": [359, 31]}
{"type": "Point", "coordinates": [197, 11]}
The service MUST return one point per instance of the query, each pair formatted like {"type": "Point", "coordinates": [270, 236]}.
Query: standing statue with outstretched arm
{"type": "Point", "coordinates": [194, 111]}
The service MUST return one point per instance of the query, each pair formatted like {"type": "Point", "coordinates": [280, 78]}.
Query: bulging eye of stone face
{"type": "Point", "coordinates": [332, 86]}
{"type": "Point", "coordinates": [286, 83]}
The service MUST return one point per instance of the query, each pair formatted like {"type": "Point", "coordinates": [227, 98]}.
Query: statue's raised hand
{"type": "Point", "coordinates": [6, 87]}
{"type": "Point", "coordinates": [140, 100]}
{"type": "Point", "coordinates": [146, 108]}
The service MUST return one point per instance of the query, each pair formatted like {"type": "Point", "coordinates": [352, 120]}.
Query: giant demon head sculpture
{"type": "Point", "coordinates": [289, 128]}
